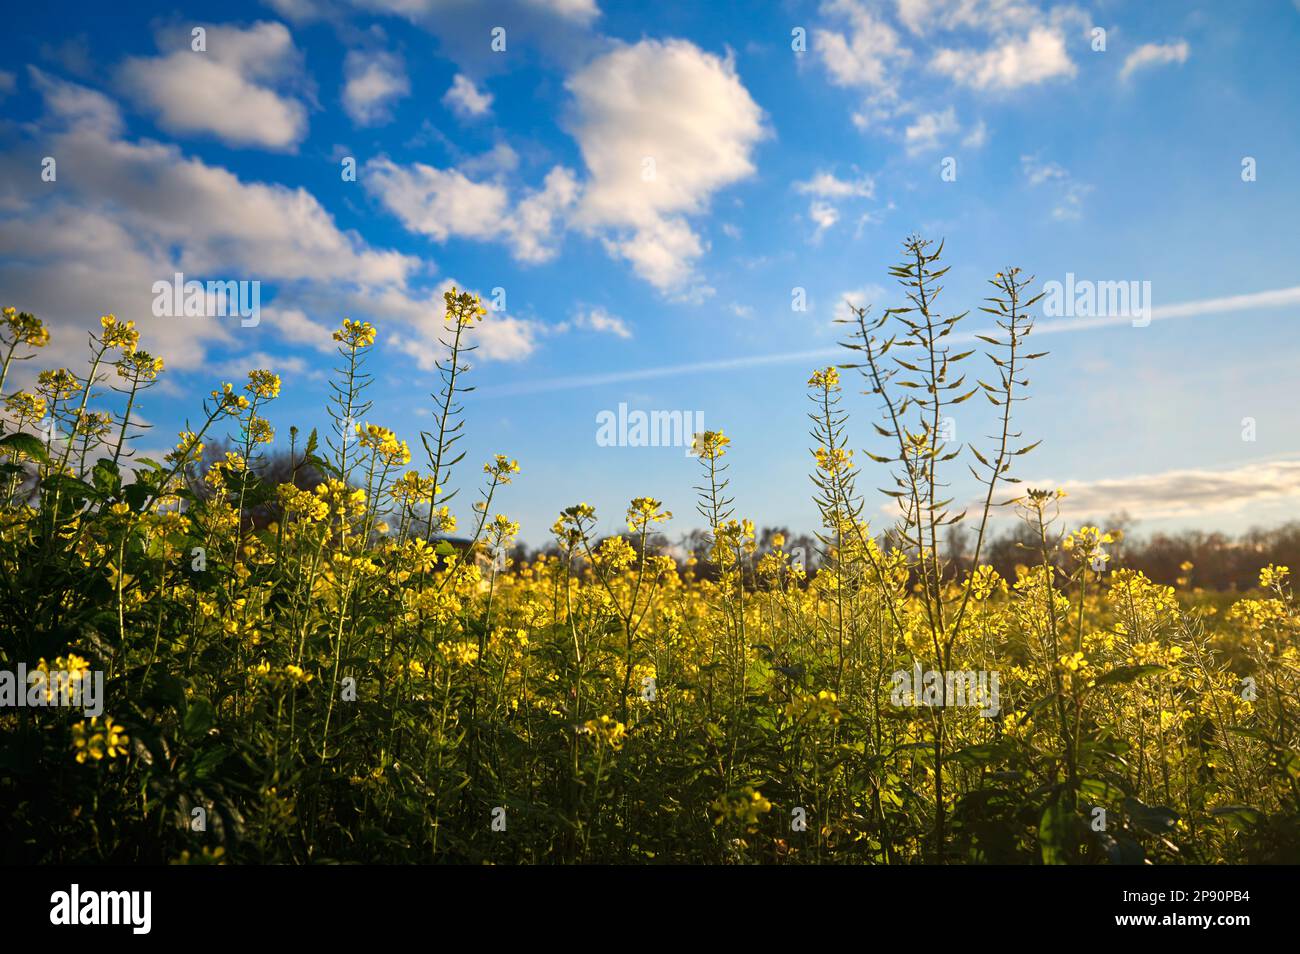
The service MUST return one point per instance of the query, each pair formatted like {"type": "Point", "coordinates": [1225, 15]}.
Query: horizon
{"type": "Point", "coordinates": [670, 211]}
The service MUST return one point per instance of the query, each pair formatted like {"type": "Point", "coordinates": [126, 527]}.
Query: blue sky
{"type": "Point", "coordinates": [774, 169]}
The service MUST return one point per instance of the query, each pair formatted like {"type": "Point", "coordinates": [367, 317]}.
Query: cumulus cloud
{"type": "Point", "coordinates": [826, 190]}
{"type": "Point", "coordinates": [438, 203]}
{"type": "Point", "coordinates": [823, 215]}
{"type": "Point", "coordinates": [374, 81]}
{"type": "Point", "coordinates": [864, 56]}
{"type": "Point", "coordinates": [131, 213]}
{"type": "Point", "coordinates": [1004, 44]}
{"type": "Point", "coordinates": [467, 100]}
{"type": "Point", "coordinates": [929, 130]}
{"type": "Point", "coordinates": [864, 297]}
{"type": "Point", "coordinates": [581, 11]}
{"type": "Point", "coordinates": [445, 203]}
{"type": "Point", "coordinates": [1185, 492]}
{"type": "Point", "coordinates": [539, 215]}
{"type": "Point", "coordinates": [598, 320]}
{"type": "Point", "coordinates": [239, 89]}
{"type": "Point", "coordinates": [825, 185]}
{"type": "Point", "coordinates": [500, 336]}
{"type": "Point", "coordinates": [1011, 63]}
{"type": "Point", "coordinates": [1150, 55]}
{"type": "Point", "coordinates": [662, 126]}
{"type": "Point", "coordinates": [923, 17]}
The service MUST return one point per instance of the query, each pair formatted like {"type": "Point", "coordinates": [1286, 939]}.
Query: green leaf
{"type": "Point", "coordinates": [136, 495]}
{"type": "Point", "coordinates": [199, 716]}
{"type": "Point", "coordinates": [1053, 832]}
{"type": "Point", "coordinates": [1100, 790]}
{"type": "Point", "coordinates": [984, 754]}
{"type": "Point", "coordinates": [1156, 819]}
{"type": "Point", "coordinates": [1239, 814]}
{"type": "Point", "coordinates": [26, 445]}
{"type": "Point", "coordinates": [107, 478]}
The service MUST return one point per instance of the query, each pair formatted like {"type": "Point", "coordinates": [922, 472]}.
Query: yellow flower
{"type": "Point", "coordinates": [20, 327]}
{"type": "Point", "coordinates": [96, 740]}
{"type": "Point", "coordinates": [384, 443]}
{"type": "Point", "coordinates": [58, 385]}
{"type": "Point", "coordinates": [710, 445]}
{"type": "Point", "coordinates": [1273, 577]}
{"type": "Point", "coordinates": [745, 805]}
{"type": "Point", "coordinates": [25, 407]}
{"type": "Point", "coordinates": [827, 378]}
{"type": "Point", "coordinates": [264, 384]}
{"type": "Point", "coordinates": [606, 731]}
{"type": "Point", "coordinates": [139, 366]}
{"type": "Point", "coordinates": [228, 402]}
{"type": "Point", "coordinates": [119, 335]}
{"type": "Point", "coordinates": [355, 334]}
{"type": "Point", "coordinates": [501, 469]}
{"type": "Point", "coordinates": [644, 511]}
{"type": "Point", "coordinates": [463, 309]}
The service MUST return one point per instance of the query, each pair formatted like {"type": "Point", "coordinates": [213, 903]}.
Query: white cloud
{"type": "Point", "coordinates": [602, 322]}
{"type": "Point", "coordinates": [928, 16]}
{"type": "Point", "coordinates": [867, 55]}
{"type": "Point", "coordinates": [1011, 63]}
{"type": "Point", "coordinates": [467, 100]}
{"type": "Point", "coordinates": [374, 82]}
{"type": "Point", "coordinates": [1183, 492]}
{"type": "Point", "coordinates": [662, 126]}
{"type": "Point", "coordinates": [299, 11]}
{"type": "Point", "coordinates": [825, 185]}
{"type": "Point", "coordinates": [139, 211]}
{"type": "Point", "coordinates": [1070, 192]}
{"type": "Point", "coordinates": [826, 189]}
{"type": "Point", "coordinates": [580, 11]}
{"type": "Point", "coordinates": [663, 252]}
{"type": "Point", "coordinates": [439, 203]}
{"type": "Point", "coordinates": [1038, 172]}
{"type": "Point", "coordinates": [864, 297]}
{"type": "Point", "coordinates": [823, 215]}
{"type": "Point", "coordinates": [8, 83]}
{"type": "Point", "coordinates": [236, 90]}
{"type": "Point", "coordinates": [1070, 206]}
{"type": "Point", "coordinates": [497, 161]}
{"type": "Point", "coordinates": [293, 324]}
{"type": "Point", "coordinates": [499, 336]}
{"type": "Point", "coordinates": [445, 203]}
{"type": "Point", "coordinates": [539, 215]}
{"type": "Point", "coordinates": [236, 369]}
{"type": "Point", "coordinates": [1149, 55]}
{"type": "Point", "coordinates": [929, 130]}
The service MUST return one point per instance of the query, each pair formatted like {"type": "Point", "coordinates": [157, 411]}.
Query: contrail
{"type": "Point", "coordinates": [1187, 309]}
